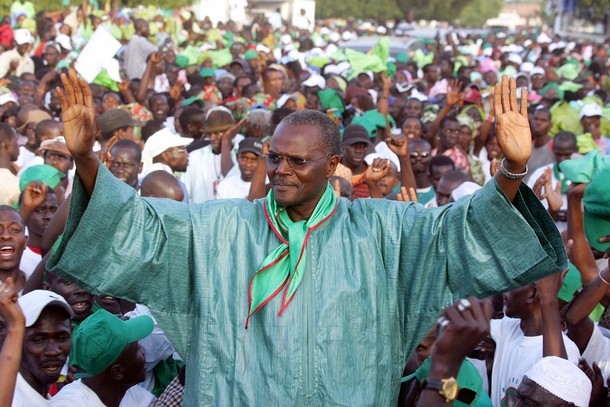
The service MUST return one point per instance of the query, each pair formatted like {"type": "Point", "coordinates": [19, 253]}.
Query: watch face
{"type": "Point", "coordinates": [450, 389]}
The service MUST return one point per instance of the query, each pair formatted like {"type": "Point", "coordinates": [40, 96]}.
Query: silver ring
{"type": "Point", "coordinates": [442, 322]}
{"type": "Point", "coordinates": [463, 304]}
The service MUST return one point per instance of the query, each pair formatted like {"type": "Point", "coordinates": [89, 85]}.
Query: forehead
{"type": "Point", "coordinates": [10, 216]}
{"type": "Point", "coordinates": [52, 319]}
{"type": "Point", "coordinates": [420, 147]}
{"type": "Point", "coordinates": [450, 124]}
{"type": "Point", "coordinates": [297, 140]}
{"type": "Point", "coordinates": [542, 114]}
{"type": "Point", "coordinates": [123, 152]}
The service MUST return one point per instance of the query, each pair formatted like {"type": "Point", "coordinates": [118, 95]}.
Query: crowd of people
{"type": "Point", "coordinates": [299, 222]}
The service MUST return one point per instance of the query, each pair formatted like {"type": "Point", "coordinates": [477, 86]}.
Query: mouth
{"type": "Point", "coordinates": [282, 187]}
{"type": "Point", "coordinates": [7, 252]}
{"type": "Point", "coordinates": [80, 306]}
{"type": "Point", "coordinates": [52, 368]}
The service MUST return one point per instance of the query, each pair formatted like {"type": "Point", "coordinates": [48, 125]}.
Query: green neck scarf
{"type": "Point", "coordinates": [560, 176]}
{"type": "Point", "coordinates": [286, 265]}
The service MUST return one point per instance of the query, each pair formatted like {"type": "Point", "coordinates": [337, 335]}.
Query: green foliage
{"type": "Point", "coordinates": [375, 9]}
{"type": "Point", "coordinates": [477, 12]}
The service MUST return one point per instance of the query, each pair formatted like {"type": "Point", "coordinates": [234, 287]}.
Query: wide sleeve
{"type": "Point", "coordinates": [480, 245]}
{"type": "Point", "coordinates": [120, 244]}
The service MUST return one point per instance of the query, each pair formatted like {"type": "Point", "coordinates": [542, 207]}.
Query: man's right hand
{"type": "Point", "coordinates": [77, 115]}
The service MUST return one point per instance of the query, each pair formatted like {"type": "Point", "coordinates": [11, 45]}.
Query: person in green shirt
{"type": "Point", "coordinates": [300, 298]}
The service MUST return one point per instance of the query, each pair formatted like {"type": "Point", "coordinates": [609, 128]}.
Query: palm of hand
{"type": "Point", "coordinates": [74, 128]}
{"type": "Point", "coordinates": [555, 199]}
{"type": "Point", "coordinates": [515, 137]}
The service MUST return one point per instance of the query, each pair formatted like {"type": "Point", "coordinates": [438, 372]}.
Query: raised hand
{"type": "Point", "coordinates": [399, 144]}
{"type": "Point", "coordinates": [232, 132]}
{"type": "Point", "coordinates": [176, 90]}
{"type": "Point", "coordinates": [378, 170]}
{"type": "Point", "coordinates": [514, 135]}
{"type": "Point", "coordinates": [454, 96]}
{"type": "Point", "coordinates": [78, 115]}
{"type": "Point", "coordinates": [10, 311]}
{"type": "Point", "coordinates": [34, 195]}
{"type": "Point", "coordinates": [405, 195]}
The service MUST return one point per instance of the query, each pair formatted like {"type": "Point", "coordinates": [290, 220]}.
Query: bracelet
{"type": "Point", "coordinates": [509, 174]}
{"type": "Point", "coordinates": [601, 278]}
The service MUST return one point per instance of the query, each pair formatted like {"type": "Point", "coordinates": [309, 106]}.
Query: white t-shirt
{"type": "Point", "coordinates": [204, 173]}
{"type": "Point", "coordinates": [25, 156]}
{"type": "Point", "coordinates": [29, 261]}
{"type": "Point", "coordinates": [233, 187]}
{"type": "Point", "coordinates": [561, 226]}
{"type": "Point", "coordinates": [598, 350]}
{"type": "Point", "coordinates": [26, 396]}
{"type": "Point", "coordinates": [78, 394]}
{"type": "Point", "coordinates": [515, 354]}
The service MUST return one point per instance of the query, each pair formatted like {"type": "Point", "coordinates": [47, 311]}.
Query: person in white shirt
{"type": "Point", "coordinates": [238, 185]}
{"type": "Point", "coordinates": [530, 331]}
{"type": "Point", "coordinates": [169, 154]}
{"type": "Point", "coordinates": [46, 346]}
{"type": "Point", "coordinates": [205, 171]}
{"type": "Point", "coordinates": [17, 61]}
{"type": "Point", "coordinates": [110, 361]}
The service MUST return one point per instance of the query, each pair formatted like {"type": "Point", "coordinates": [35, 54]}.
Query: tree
{"type": "Point", "coordinates": [377, 9]}
{"type": "Point", "coordinates": [477, 12]}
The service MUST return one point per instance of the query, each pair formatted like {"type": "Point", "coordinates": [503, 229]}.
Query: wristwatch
{"type": "Point", "coordinates": [446, 388]}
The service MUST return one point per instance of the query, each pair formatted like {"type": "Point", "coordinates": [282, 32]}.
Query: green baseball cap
{"type": "Point", "coordinates": [594, 169]}
{"type": "Point", "coordinates": [251, 54]}
{"type": "Point", "coordinates": [468, 378]}
{"type": "Point", "coordinates": [44, 173]}
{"type": "Point", "coordinates": [207, 72]}
{"type": "Point", "coordinates": [101, 338]}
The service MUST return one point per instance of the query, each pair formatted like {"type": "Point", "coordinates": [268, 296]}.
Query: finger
{"type": "Point", "coordinates": [524, 102]}
{"type": "Point", "coordinates": [558, 187]}
{"type": "Point", "coordinates": [505, 94]}
{"type": "Point", "coordinates": [399, 197]}
{"type": "Point", "coordinates": [512, 85]}
{"type": "Point", "coordinates": [63, 101]}
{"type": "Point", "coordinates": [68, 89]}
{"type": "Point", "coordinates": [604, 239]}
{"type": "Point", "coordinates": [413, 194]}
{"type": "Point", "coordinates": [596, 370]}
{"type": "Point", "coordinates": [78, 93]}
{"type": "Point", "coordinates": [497, 101]}
{"type": "Point", "coordinates": [569, 247]}
{"type": "Point", "coordinates": [86, 91]}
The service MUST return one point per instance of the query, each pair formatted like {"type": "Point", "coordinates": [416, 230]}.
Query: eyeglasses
{"type": "Point", "coordinates": [415, 154]}
{"type": "Point", "coordinates": [274, 160]}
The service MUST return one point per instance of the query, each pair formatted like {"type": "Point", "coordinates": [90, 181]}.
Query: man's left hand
{"type": "Point", "coordinates": [399, 144]}
{"type": "Point", "coordinates": [514, 135]}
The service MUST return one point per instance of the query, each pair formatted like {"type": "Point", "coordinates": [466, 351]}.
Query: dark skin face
{"type": "Point", "coordinates": [26, 88]}
{"type": "Point", "coordinates": [420, 163]}
{"type": "Point", "coordinates": [516, 301]}
{"type": "Point", "coordinates": [300, 189]}
{"type": "Point", "coordinates": [413, 108]}
{"type": "Point", "coordinates": [125, 165]}
{"type": "Point", "coordinates": [12, 240]}
{"type": "Point", "coordinates": [444, 190]}
{"type": "Point", "coordinates": [365, 81]}
{"type": "Point", "coordinates": [110, 101]}
{"type": "Point", "coordinates": [465, 137]}
{"type": "Point", "coordinates": [159, 107]}
{"type": "Point", "coordinates": [51, 56]}
{"type": "Point", "coordinates": [450, 134]}
{"type": "Point", "coordinates": [437, 173]}
{"type": "Point", "coordinates": [177, 158]}
{"type": "Point", "coordinates": [46, 346]}
{"type": "Point", "coordinates": [80, 300]}
{"type": "Point", "coordinates": [353, 155]}
{"type": "Point", "coordinates": [563, 151]}
{"type": "Point", "coordinates": [12, 148]}
{"type": "Point", "coordinates": [195, 127]}
{"type": "Point", "coordinates": [273, 83]}
{"type": "Point", "coordinates": [412, 129]}
{"type": "Point", "coordinates": [225, 86]}
{"type": "Point", "coordinates": [61, 161]}
{"type": "Point", "coordinates": [247, 164]}
{"type": "Point", "coordinates": [397, 108]}
{"type": "Point", "coordinates": [42, 215]}
{"type": "Point", "coordinates": [541, 123]}
{"type": "Point", "coordinates": [390, 181]}
{"type": "Point", "coordinates": [241, 83]}
{"type": "Point", "coordinates": [531, 393]}
{"type": "Point", "coordinates": [537, 82]}
{"type": "Point", "coordinates": [493, 148]}
{"type": "Point", "coordinates": [133, 365]}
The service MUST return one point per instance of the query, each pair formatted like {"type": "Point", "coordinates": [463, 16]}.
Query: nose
{"type": "Point", "coordinates": [283, 167]}
{"type": "Point", "coordinates": [52, 349]}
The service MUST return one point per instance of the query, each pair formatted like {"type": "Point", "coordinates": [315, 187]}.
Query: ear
{"type": "Point", "coordinates": [532, 294]}
{"type": "Point", "coordinates": [117, 372]}
{"type": "Point", "coordinates": [46, 285]}
{"type": "Point", "coordinates": [71, 164]}
{"type": "Point", "coordinates": [140, 168]}
{"type": "Point", "coordinates": [332, 166]}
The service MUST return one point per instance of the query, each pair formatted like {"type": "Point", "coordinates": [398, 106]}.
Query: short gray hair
{"type": "Point", "coordinates": [262, 119]}
{"type": "Point", "coordinates": [329, 132]}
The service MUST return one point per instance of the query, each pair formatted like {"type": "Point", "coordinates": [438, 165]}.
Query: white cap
{"type": "Point", "coordinates": [543, 39]}
{"type": "Point", "coordinates": [347, 35]}
{"type": "Point", "coordinates": [285, 39]}
{"type": "Point", "coordinates": [515, 59]}
{"type": "Point", "coordinates": [563, 379]}
{"type": "Point", "coordinates": [23, 36]}
{"type": "Point", "coordinates": [467, 188]}
{"type": "Point", "coordinates": [381, 30]}
{"type": "Point", "coordinates": [334, 37]}
{"type": "Point", "coordinates": [591, 110]}
{"type": "Point", "coordinates": [315, 80]}
{"type": "Point", "coordinates": [537, 70]}
{"type": "Point", "coordinates": [418, 95]}
{"type": "Point", "coordinates": [64, 41]}
{"type": "Point", "coordinates": [367, 73]}
{"type": "Point", "coordinates": [7, 98]}
{"type": "Point", "coordinates": [164, 139]}
{"type": "Point", "coordinates": [33, 303]}
{"type": "Point", "coordinates": [527, 67]}
{"type": "Point", "coordinates": [283, 99]}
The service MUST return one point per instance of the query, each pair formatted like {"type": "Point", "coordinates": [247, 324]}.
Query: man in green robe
{"type": "Point", "coordinates": [356, 285]}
